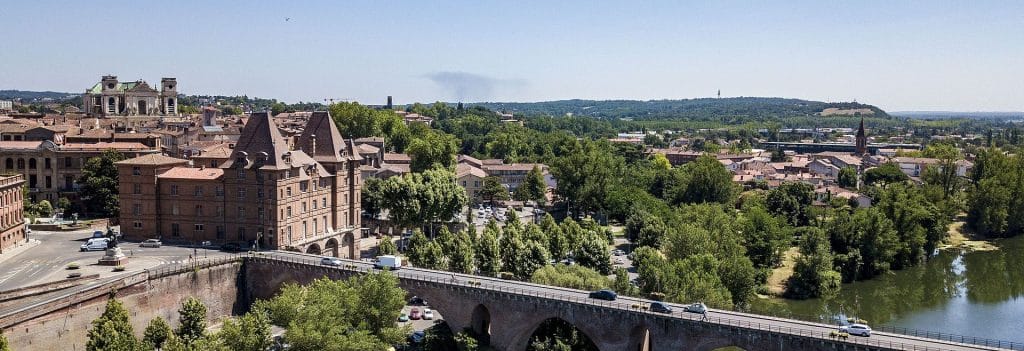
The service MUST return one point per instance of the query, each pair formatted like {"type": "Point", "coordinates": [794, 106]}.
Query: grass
{"type": "Point", "coordinates": [960, 236]}
{"type": "Point", "coordinates": [777, 281]}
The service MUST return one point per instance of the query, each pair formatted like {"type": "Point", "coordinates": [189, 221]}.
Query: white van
{"type": "Point", "coordinates": [95, 244]}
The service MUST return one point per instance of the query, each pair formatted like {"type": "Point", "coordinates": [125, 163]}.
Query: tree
{"type": "Point", "coordinates": [372, 199]}
{"type": "Point", "coordinates": [460, 258]}
{"type": "Point", "coordinates": [424, 252]}
{"type": "Point", "coordinates": [387, 247]}
{"type": "Point", "coordinates": [659, 161]}
{"type": "Point", "coordinates": [156, 333]}
{"type": "Point", "coordinates": [791, 201]}
{"type": "Point", "coordinates": [585, 174]}
{"type": "Point", "coordinates": [707, 181]}
{"type": "Point", "coordinates": [3, 343]}
{"type": "Point", "coordinates": [813, 273]}
{"type": "Point", "coordinates": [570, 276]}
{"type": "Point", "coordinates": [64, 204]}
{"type": "Point", "coordinates": [99, 184]}
{"type": "Point", "coordinates": [191, 321]}
{"type": "Point", "coordinates": [558, 243]}
{"type": "Point", "coordinates": [621, 283]}
{"type": "Point", "coordinates": [436, 148]}
{"type": "Point", "coordinates": [848, 177]}
{"type": "Point", "coordinates": [888, 173]}
{"type": "Point", "coordinates": [533, 187]}
{"type": "Point", "coordinates": [112, 331]}
{"type": "Point", "coordinates": [488, 259]}
{"type": "Point", "coordinates": [251, 332]}
{"type": "Point", "coordinates": [996, 205]}
{"type": "Point", "coordinates": [493, 190]}
{"type": "Point", "coordinates": [593, 253]}
{"type": "Point", "coordinates": [763, 237]}
{"type": "Point", "coordinates": [427, 197]}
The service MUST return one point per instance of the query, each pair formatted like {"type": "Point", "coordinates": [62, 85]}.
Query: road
{"type": "Point", "coordinates": [47, 261]}
{"type": "Point", "coordinates": [779, 325]}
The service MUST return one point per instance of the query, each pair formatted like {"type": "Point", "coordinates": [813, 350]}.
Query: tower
{"type": "Point", "coordinates": [169, 95]}
{"type": "Point", "coordinates": [862, 139]}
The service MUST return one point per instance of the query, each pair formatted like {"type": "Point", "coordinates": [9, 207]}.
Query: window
{"type": "Point", "coordinates": [241, 173]}
{"type": "Point", "coordinates": [199, 210]}
{"type": "Point", "coordinates": [327, 226]}
{"type": "Point", "coordinates": [289, 212]}
{"type": "Point", "coordinates": [259, 193]}
{"type": "Point", "coordinates": [316, 227]}
{"type": "Point", "coordinates": [199, 227]}
{"type": "Point", "coordinates": [174, 190]}
{"type": "Point", "coordinates": [259, 213]}
{"type": "Point", "coordinates": [135, 170]}
{"type": "Point", "coordinates": [303, 207]}
{"type": "Point", "coordinates": [198, 191]}
{"type": "Point", "coordinates": [220, 232]}
{"type": "Point", "coordinates": [174, 209]}
{"type": "Point", "coordinates": [289, 191]}
{"type": "Point", "coordinates": [213, 163]}
{"type": "Point", "coordinates": [241, 233]}
{"type": "Point", "coordinates": [46, 162]}
{"type": "Point", "coordinates": [219, 191]}
{"type": "Point", "coordinates": [67, 163]}
{"type": "Point", "coordinates": [136, 188]}
{"type": "Point", "coordinates": [220, 211]}
{"type": "Point", "coordinates": [304, 185]}
{"type": "Point", "coordinates": [241, 212]}
{"type": "Point", "coordinates": [314, 204]}
{"type": "Point", "coordinates": [464, 183]}
{"type": "Point", "coordinates": [137, 225]}
{"type": "Point", "coordinates": [137, 209]}
{"type": "Point", "coordinates": [241, 192]}
{"type": "Point", "coordinates": [305, 229]}
{"type": "Point", "coordinates": [325, 202]}
{"type": "Point", "coordinates": [175, 229]}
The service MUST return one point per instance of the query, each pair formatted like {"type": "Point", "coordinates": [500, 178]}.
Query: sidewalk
{"type": "Point", "coordinates": [18, 249]}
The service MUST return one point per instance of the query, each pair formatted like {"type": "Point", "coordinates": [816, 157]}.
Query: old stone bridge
{"type": "Point", "coordinates": [506, 312]}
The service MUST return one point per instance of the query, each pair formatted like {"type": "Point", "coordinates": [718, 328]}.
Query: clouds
{"type": "Point", "coordinates": [464, 86]}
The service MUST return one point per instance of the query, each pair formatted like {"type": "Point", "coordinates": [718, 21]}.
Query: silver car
{"type": "Point", "coordinates": [330, 261]}
{"type": "Point", "coordinates": [151, 243]}
{"type": "Point", "coordinates": [856, 329]}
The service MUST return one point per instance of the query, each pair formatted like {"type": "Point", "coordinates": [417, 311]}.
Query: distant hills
{"type": "Point", "coordinates": [953, 114]}
{"type": "Point", "coordinates": [29, 96]}
{"type": "Point", "coordinates": [747, 107]}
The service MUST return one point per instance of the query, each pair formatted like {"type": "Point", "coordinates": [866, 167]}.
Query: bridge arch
{"type": "Point", "coordinates": [558, 327]}
{"type": "Point", "coordinates": [331, 248]}
{"type": "Point", "coordinates": [480, 323]}
{"type": "Point", "coordinates": [348, 246]}
{"type": "Point", "coordinates": [720, 344]}
{"type": "Point", "coordinates": [313, 249]}
{"type": "Point", "coordinates": [640, 339]}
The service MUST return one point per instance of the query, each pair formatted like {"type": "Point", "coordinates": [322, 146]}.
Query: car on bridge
{"type": "Point", "coordinates": [660, 307]}
{"type": "Point", "coordinates": [330, 261]}
{"type": "Point", "coordinates": [696, 308]}
{"type": "Point", "coordinates": [604, 295]}
{"type": "Point", "coordinates": [856, 329]}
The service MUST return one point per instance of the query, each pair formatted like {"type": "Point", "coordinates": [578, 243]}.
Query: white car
{"type": "Point", "coordinates": [856, 329]}
{"type": "Point", "coordinates": [428, 314]}
{"type": "Point", "coordinates": [150, 243]}
{"type": "Point", "coordinates": [330, 261]}
{"type": "Point", "coordinates": [696, 308]}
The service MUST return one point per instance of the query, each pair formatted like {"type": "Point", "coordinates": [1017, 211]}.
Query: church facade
{"type": "Point", "coordinates": [110, 97]}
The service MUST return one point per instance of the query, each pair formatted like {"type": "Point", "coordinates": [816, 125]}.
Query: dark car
{"type": "Point", "coordinates": [231, 247]}
{"type": "Point", "coordinates": [417, 336]}
{"type": "Point", "coordinates": [417, 301]}
{"type": "Point", "coordinates": [660, 307]}
{"type": "Point", "coordinates": [604, 295]}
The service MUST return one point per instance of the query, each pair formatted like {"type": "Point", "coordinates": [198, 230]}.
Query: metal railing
{"type": "Point", "coordinates": [494, 285]}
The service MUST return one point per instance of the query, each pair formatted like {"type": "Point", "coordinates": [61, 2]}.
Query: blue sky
{"type": "Point", "coordinates": [899, 55]}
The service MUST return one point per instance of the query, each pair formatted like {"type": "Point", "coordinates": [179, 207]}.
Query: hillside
{"type": "Point", "coordinates": [743, 107]}
{"type": "Point", "coordinates": [953, 114]}
{"type": "Point", "coordinates": [29, 96]}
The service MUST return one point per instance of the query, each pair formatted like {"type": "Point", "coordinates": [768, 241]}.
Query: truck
{"type": "Point", "coordinates": [388, 261]}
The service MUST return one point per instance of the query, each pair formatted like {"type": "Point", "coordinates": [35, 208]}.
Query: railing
{"type": "Point", "coordinates": [487, 283]}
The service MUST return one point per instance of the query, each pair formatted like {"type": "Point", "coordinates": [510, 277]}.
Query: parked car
{"type": "Point", "coordinates": [428, 314]}
{"type": "Point", "coordinates": [231, 247]}
{"type": "Point", "coordinates": [618, 252]}
{"type": "Point", "coordinates": [417, 301]}
{"type": "Point", "coordinates": [95, 244]}
{"type": "Point", "coordinates": [151, 243]}
{"type": "Point", "coordinates": [604, 295]}
{"type": "Point", "coordinates": [330, 261]}
{"type": "Point", "coordinates": [660, 307]}
{"type": "Point", "coordinates": [618, 261]}
{"type": "Point", "coordinates": [417, 337]}
{"type": "Point", "coordinates": [403, 317]}
{"type": "Point", "coordinates": [415, 314]}
{"type": "Point", "coordinates": [856, 329]}
{"type": "Point", "coordinates": [696, 308]}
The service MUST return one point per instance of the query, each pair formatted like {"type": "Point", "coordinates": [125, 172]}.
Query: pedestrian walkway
{"type": "Point", "coordinates": [18, 249]}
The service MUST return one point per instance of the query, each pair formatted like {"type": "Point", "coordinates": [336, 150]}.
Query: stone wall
{"type": "Point", "coordinates": [65, 327]}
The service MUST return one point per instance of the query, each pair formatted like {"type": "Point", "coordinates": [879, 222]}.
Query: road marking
{"type": "Point", "coordinates": [7, 276]}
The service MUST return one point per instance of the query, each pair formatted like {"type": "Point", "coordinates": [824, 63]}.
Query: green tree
{"type": "Point", "coordinates": [436, 148]}
{"type": "Point", "coordinates": [585, 174]}
{"type": "Point", "coordinates": [707, 181]}
{"type": "Point", "coordinates": [888, 173]}
{"type": "Point", "coordinates": [3, 343]}
{"type": "Point", "coordinates": [372, 199]}
{"type": "Point", "coordinates": [425, 253]}
{"type": "Point", "coordinates": [558, 243]}
{"type": "Point", "coordinates": [251, 332]}
{"type": "Point", "coordinates": [791, 201]}
{"type": "Point", "coordinates": [156, 333]}
{"type": "Point", "coordinates": [593, 253]}
{"type": "Point", "coordinates": [430, 196]}
{"type": "Point", "coordinates": [44, 208]}
{"type": "Point", "coordinates": [763, 237]}
{"type": "Point", "coordinates": [461, 257]}
{"type": "Point", "coordinates": [621, 283]}
{"type": "Point", "coordinates": [493, 190]}
{"type": "Point", "coordinates": [570, 276]}
{"type": "Point", "coordinates": [488, 259]}
{"type": "Point", "coordinates": [191, 321]}
{"type": "Point", "coordinates": [99, 184]}
{"type": "Point", "coordinates": [996, 204]}
{"type": "Point", "coordinates": [64, 204]}
{"type": "Point", "coordinates": [112, 331]}
{"type": "Point", "coordinates": [813, 273]}
{"type": "Point", "coordinates": [387, 246]}
{"type": "Point", "coordinates": [533, 187]}
{"type": "Point", "coordinates": [848, 177]}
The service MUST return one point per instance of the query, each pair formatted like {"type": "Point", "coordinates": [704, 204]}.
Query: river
{"type": "Point", "coordinates": [977, 293]}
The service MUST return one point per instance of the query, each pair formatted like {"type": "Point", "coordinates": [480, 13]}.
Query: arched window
{"type": "Point", "coordinates": [32, 163]}
{"type": "Point", "coordinates": [9, 164]}
{"type": "Point", "coordinates": [21, 163]}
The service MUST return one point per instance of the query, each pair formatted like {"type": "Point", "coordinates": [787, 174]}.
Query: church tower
{"type": "Point", "coordinates": [862, 139]}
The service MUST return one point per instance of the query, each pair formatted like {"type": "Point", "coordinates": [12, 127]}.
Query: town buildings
{"type": "Point", "coordinates": [12, 219]}
{"type": "Point", "coordinates": [110, 97]}
{"type": "Point", "coordinates": [264, 194]}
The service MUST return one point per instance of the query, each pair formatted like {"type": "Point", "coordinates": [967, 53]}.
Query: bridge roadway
{"type": "Point", "coordinates": [881, 340]}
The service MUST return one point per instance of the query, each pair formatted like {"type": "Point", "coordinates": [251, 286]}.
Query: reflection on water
{"type": "Point", "coordinates": [979, 294]}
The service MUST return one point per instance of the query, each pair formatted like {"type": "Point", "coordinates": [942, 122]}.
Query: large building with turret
{"type": "Point", "coordinates": [266, 194]}
{"type": "Point", "coordinates": [111, 97]}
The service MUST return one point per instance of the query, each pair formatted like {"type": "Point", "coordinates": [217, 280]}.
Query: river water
{"type": "Point", "coordinates": [979, 293]}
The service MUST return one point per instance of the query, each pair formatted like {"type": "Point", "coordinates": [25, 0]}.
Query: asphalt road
{"type": "Point", "coordinates": [714, 316]}
{"type": "Point", "coordinates": [47, 261]}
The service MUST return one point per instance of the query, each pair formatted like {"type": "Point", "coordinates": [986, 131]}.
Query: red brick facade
{"type": "Point", "coordinates": [12, 219]}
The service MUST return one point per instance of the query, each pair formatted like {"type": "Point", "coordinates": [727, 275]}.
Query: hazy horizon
{"type": "Point", "coordinates": [914, 56]}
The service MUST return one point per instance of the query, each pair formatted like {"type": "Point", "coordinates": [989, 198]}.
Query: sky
{"type": "Point", "coordinates": [898, 55]}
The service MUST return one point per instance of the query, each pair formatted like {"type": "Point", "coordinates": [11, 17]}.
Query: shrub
{"type": "Point", "coordinates": [72, 265]}
{"type": "Point", "coordinates": [119, 268]}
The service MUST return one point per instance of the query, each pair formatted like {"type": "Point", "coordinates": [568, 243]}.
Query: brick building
{"type": "Point", "coordinates": [305, 199]}
{"type": "Point", "coordinates": [12, 220]}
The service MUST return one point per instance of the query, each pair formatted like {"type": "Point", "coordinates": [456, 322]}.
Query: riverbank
{"type": "Point", "coordinates": [960, 237]}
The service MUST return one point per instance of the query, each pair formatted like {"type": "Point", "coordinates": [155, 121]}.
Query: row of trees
{"type": "Point", "coordinates": [996, 202]}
